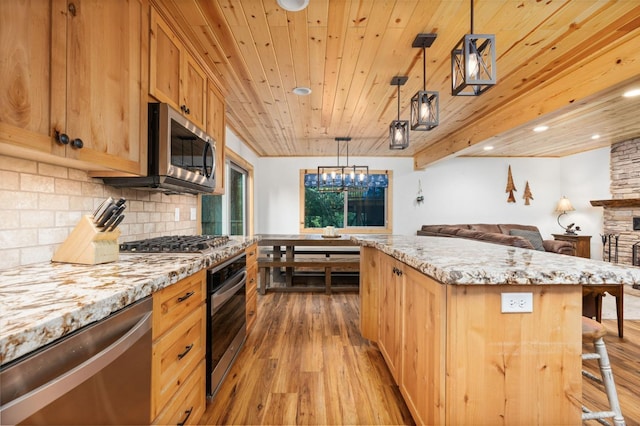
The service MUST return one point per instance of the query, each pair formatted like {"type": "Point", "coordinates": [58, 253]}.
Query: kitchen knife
{"type": "Point", "coordinates": [114, 216]}
{"type": "Point", "coordinates": [116, 223]}
{"type": "Point", "coordinates": [107, 215]}
{"type": "Point", "coordinates": [101, 208]}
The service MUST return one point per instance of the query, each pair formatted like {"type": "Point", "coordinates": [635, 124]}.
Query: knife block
{"type": "Point", "coordinates": [87, 245]}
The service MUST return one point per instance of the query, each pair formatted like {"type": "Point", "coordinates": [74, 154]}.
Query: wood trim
{"type": "Point", "coordinates": [618, 203]}
{"type": "Point", "coordinates": [236, 158]}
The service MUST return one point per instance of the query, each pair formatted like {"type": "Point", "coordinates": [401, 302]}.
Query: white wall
{"type": "Point", "coordinates": [459, 190]}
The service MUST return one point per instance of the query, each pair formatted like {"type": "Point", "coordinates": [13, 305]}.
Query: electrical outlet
{"type": "Point", "coordinates": [193, 213]}
{"type": "Point", "coordinates": [517, 302]}
{"type": "Point", "coordinates": [177, 214]}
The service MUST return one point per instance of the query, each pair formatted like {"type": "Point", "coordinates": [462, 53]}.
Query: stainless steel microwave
{"type": "Point", "coordinates": [181, 156]}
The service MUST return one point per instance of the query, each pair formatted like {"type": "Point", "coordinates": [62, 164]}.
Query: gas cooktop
{"type": "Point", "coordinates": [175, 244]}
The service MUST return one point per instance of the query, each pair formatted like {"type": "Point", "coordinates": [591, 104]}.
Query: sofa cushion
{"type": "Point", "coordinates": [485, 227]}
{"type": "Point", "coordinates": [507, 240]}
{"type": "Point", "coordinates": [534, 237]}
{"type": "Point", "coordinates": [449, 230]}
{"type": "Point", "coordinates": [468, 233]}
{"type": "Point", "coordinates": [506, 227]}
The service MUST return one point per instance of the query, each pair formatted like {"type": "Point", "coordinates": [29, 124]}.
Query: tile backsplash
{"type": "Point", "coordinates": [42, 203]}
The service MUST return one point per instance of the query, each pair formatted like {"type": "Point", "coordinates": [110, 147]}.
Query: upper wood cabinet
{"type": "Point", "coordinates": [216, 128]}
{"type": "Point", "coordinates": [74, 80]}
{"type": "Point", "coordinates": [174, 75]}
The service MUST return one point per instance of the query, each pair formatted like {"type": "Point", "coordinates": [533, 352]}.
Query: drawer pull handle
{"type": "Point", "coordinates": [188, 413]}
{"type": "Point", "coordinates": [186, 351]}
{"type": "Point", "coordinates": [185, 297]}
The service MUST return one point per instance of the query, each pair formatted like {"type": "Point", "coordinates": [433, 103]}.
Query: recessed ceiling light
{"type": "Point", "coordinates": [302, 91]}
{"type": "Point", "coordinates": [293, 5]}
{"type": "Point", "coordinates": [631, 93]}
{"type": "Point", "coordinates": [488, 148]}
{"type": "Point", "coordinates": [594, 137]}
{"type": "Point", "coordinates": [540, 128]}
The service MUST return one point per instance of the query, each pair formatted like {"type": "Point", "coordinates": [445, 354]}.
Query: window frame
{"type": "Point", "coordinates": [387, 229]}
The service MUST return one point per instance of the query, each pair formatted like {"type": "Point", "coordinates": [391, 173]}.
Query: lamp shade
{"type": "Point", "coordinates": [564, 205]}
{"type": "Point", "coordinates": [399, 134]}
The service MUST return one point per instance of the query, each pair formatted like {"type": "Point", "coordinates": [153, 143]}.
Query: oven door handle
{"type": "Point", "coordinates": [225, 293]}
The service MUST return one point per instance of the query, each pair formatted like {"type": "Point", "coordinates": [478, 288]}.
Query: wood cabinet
{"type": "Point", "coordinates": [369, 289]}
{"type": "Point", "coordinates": [458, 359]}
{"type": "Point", "coordinates": [178, 352]}
{"type": "Point", "coordinates": [74, 82]}
{"type": "Point", "coordinates": [252, 285]}
{"type": "Point", "coordinates": [216, 126]}
{"type": "Point", "coordinates": [175, 77]}
{"type": "Point", "coordinates": [581, 244]}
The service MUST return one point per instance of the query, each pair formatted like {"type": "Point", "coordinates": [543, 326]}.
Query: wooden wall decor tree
{"type": "Point", "coordinates": [527, 194]}
{"type": "Point", "coordinates": [510, 187]}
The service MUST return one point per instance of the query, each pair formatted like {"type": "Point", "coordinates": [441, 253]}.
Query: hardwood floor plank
{"type": "Point", "coordinates": [306, 363]}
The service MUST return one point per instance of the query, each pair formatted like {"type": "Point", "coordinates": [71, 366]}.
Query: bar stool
{"type": "Point", "coordinates": [593, 332]}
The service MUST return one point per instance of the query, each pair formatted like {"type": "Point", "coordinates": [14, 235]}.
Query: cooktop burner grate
{"type": "Point", "coordinates": [175, 244]}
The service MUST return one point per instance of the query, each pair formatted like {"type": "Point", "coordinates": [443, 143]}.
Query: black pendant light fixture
{"type": "Point", "coordinates": [473, 63]}
{"type": "Point", "coordinates": [341, 178]}
{"type": "Point", "coordinates": [399, 129]}
{"type": "Point", "coordinates": [424, 104]}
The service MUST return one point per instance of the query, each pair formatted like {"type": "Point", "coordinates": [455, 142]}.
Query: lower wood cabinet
{"type": "Point", "coordinates": [458, 359]}
{"type": "Point", "coordinates": [178, 352]}
{"type": "Point", "coordinates": [252, 285]}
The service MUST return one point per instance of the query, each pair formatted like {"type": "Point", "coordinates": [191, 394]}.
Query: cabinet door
{"type": "Point", "coordinates": [369, 291]}
{"type": "Point", "coordinates": [194, 91]}
{"type": "Point", "coordinates": [390, 307]}
{"type": "Point", "coordinates": [164, 63]}
{"type": "Point", "coordinates": [216, 128]}
{"type": "Point", "coordinates": [104, 80]}
{"type": "Point", "coordinates": [28, 76]}
{"type": "Point", "coordinates": [422, 381]}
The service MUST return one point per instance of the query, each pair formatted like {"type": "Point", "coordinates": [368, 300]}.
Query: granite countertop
{"type": "Point", "coordinates": [463, 261]}
{"type": "Point", "coordinates": [42, 302]}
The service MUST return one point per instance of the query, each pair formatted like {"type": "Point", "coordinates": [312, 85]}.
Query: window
{"type": "Point", "coordinates": [363, 211]}
{"type": "Point", "coordinates": [228, 214]}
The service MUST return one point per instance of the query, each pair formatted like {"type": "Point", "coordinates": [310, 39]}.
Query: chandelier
{"type": "Point", "coordinates": [342, 178]}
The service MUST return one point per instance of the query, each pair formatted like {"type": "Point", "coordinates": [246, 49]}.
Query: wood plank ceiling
{"type": "Point", "coordinates": [563, 63]}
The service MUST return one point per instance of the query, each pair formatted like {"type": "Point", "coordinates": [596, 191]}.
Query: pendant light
{"type": "Point", "coordinates": [399, 129]}
{"type": "Point", "coordinates": [473, 63]}
{"type": "Point", "coordinates": [340, 178]}
{"type": "Point", "coordinates": [424, 104]}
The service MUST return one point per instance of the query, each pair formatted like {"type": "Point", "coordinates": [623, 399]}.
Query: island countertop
{"type": "Point", "coordinates": [42, 302]}
{"type": "Point", "coordinates": [468, 262]}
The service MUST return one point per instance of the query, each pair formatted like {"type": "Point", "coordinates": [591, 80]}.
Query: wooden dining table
{"type": "Point", "coordinates": [331, 252]}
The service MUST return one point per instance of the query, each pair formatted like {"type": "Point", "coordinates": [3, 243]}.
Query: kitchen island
{"type": "Point", "coordinates": [42, 302]}
{"type": "Point", "coordinates": [434, 306]}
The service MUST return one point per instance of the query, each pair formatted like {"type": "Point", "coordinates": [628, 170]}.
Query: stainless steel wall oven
{"type": "Point", "coordinates": [226, 307]}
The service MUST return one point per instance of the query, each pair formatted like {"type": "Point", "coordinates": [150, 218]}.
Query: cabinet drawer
{"type": "Point", "coordinates": [189, 401]}
{"type": "Point", "coordinates": [252, 255]}
{"type": "Point", "coordinates": [175, 355]}
{"type": "Point", "coordinates": [174, 302]}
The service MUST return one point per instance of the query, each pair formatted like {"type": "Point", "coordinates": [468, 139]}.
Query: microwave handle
{"type": "Point", "coordinates": [208, 147]}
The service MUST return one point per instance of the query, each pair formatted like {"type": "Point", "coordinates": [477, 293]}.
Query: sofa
{"type": "Point", "coordinates": [523, 236]}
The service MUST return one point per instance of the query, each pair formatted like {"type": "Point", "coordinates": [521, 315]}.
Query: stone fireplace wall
{"type": "Point", "coordinates": [625, 184]}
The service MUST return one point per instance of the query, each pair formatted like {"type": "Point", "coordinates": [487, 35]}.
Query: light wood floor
{"type": "Point", "coordinates": [306, 363]}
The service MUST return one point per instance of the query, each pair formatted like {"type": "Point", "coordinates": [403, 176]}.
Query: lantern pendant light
{"type": "Point", "coordinates": [473, 63]}
{"type": "Point", "coordinates": [399, 129]}
{"type": "Point", "coordinates": [424, 104]}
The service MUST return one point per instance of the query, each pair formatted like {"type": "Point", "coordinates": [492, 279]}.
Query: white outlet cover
{"type": "Point", "coordinates": [193, 213]}
{"type": "Point", "coordinates": [177, 214]}
{"type": "Point", "coordinates": [517, 302]}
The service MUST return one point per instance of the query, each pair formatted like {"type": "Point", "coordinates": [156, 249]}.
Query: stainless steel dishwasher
{"type": "Point", "coordinates": [100, 374]}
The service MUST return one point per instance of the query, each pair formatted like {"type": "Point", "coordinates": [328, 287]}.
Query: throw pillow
{"type": "Point", "coordinates": [534, 237]}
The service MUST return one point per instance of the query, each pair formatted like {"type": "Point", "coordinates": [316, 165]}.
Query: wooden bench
{"type": "Point", "coordinates": [327, 263]}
